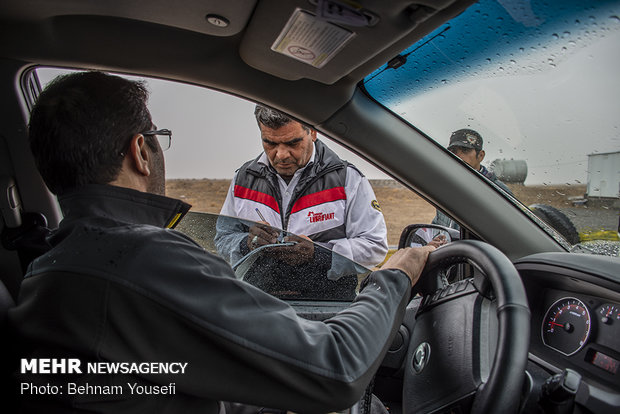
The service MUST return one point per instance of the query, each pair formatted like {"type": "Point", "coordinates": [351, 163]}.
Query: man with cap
{"type": "Point", "coordinates": [467, 145]}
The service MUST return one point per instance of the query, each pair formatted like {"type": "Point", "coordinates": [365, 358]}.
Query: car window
{"type": "Point", "coordinates": [213, 134]}
{"type": "Point", "coordinates": [276, 268]}
{"type": "Point", "coordinates": [538, 82]}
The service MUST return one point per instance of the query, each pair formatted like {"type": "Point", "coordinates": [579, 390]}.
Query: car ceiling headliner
{"type": "Point", "coordinates": [174, 40]}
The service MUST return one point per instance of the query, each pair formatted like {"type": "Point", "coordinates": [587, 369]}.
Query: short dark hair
{"type": "Point", "coordinates": [273, 119]}
{"type": "Point", "coordinates": [82, 124]}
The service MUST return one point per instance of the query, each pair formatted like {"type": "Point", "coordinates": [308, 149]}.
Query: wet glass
{"type": "Point", "coordinates": [538, 80]}
{"type": "Point", "coordinates": [284, 269]}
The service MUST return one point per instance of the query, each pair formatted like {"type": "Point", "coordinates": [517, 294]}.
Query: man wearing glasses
{"type": "Point", "coordinates": [118, 286]}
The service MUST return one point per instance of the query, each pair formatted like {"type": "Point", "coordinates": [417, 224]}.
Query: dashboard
{"type": "Point", "coordinates": [575, 306]}
{"type": "Point", "coordinates": [574, 301]}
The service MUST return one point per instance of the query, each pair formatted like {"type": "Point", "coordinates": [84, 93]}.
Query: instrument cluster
{"type": "Point", "coordinates": [586, 327]}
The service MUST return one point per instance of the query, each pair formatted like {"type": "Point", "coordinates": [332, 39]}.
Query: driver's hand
{"type": "Point", "coordinates": [410, 260]}
{"type": "Point", "coordinates": [300, 253]}
{"type": "Point", "coordinates": [260, 234]}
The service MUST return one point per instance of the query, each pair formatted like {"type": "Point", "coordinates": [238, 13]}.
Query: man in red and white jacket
{"type": "Point", "coordinates": [301, 186]}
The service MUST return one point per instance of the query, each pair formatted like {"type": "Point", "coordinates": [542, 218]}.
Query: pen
{"type": "Point", "coordinates": [280, 236]}
{"type": "Point", "coordinates": [260, 215]}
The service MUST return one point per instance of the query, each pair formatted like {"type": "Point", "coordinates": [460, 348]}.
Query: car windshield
{"type": "Point", "coordinates": [538, 81]}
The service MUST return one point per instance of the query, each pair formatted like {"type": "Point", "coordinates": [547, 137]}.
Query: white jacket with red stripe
{"type": "Point", "coordinates": [328, 200]}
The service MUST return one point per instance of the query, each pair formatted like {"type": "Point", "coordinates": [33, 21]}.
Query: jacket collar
{"type": "Point", "coordinates": [122, 205]}
{"type": "Point", "coordinates": [490, 175]}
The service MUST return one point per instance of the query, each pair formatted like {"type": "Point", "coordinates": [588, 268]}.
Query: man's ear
{"type": "Point", "coordinates": [139, 154]}
{"type": "Point", "coordinates": [480, 156]}
{"type": "Point", "coordinates": [313, 134]}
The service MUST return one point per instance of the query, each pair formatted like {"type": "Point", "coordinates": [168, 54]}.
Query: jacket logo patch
{"type": "Point", "coordinates": [316, 217]}
{"type": "Point", "coordinates": [375, 205]}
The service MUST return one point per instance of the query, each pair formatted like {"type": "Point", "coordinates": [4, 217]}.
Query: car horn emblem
{"type": "Point", "coordinates": [421, 356]}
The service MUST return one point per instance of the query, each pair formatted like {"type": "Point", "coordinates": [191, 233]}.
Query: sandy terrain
{"type": "Point", "coordinates": [400, 206]}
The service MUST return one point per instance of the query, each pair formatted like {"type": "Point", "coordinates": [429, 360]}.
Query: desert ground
{"type": "Point", "coordinates": [400, 205]}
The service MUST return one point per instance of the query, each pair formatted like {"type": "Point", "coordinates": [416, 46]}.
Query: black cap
{"type": "Point", "coordinates": [466, 138]}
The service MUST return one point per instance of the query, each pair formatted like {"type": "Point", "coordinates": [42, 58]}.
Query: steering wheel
{"type": "Point", "coordinates": [460, 354]}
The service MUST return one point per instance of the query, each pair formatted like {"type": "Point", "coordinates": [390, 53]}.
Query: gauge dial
{"type": "Point", "coordinates": [566, 326]}
{"type": "Point", "coordinates": [609, 314]}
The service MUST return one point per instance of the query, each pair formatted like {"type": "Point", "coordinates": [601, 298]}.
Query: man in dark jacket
{"type": "Point", "coordinates": [126, 315]}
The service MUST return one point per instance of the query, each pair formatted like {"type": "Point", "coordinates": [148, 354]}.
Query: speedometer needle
{"type": "Point", "coordinates": [557, 324]}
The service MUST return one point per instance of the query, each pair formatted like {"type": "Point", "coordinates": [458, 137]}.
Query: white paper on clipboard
{"type": "Point", "coordinates": [311, 40]}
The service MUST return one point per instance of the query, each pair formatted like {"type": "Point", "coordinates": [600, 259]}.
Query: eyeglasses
{"type": "Point", "coordinates": [164, 136]}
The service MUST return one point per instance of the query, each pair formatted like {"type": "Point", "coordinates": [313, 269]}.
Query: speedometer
{"type": "Point", "coordinates": [566, 326]}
